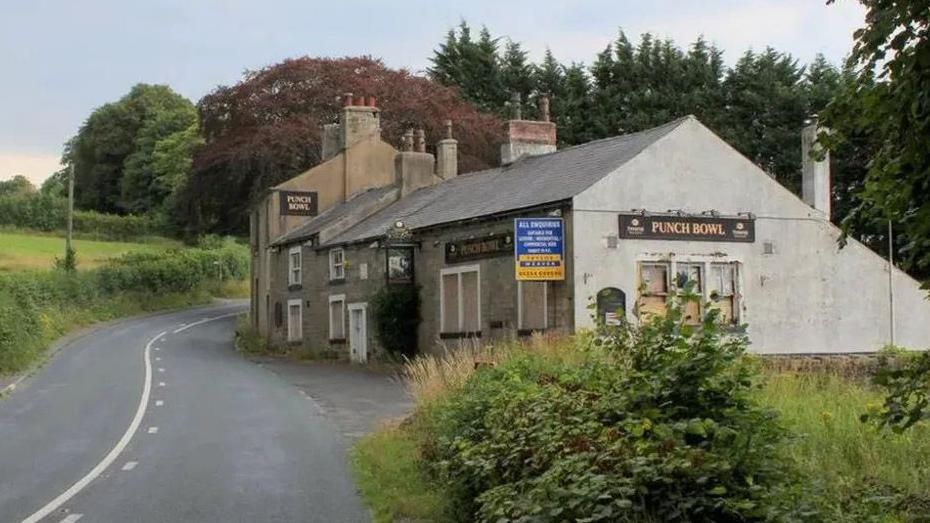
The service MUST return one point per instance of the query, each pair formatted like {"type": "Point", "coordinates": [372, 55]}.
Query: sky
{"type": "Point", "coordinates": [60, 59]}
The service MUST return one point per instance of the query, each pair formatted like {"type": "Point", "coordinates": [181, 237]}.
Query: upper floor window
{"type": "Point", "coordinates": [294, 264]}
{"type": "Point", "coordinates": [337, 264]}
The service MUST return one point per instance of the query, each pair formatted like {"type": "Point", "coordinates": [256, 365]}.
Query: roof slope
{"type": "Point", "coordinates": [332, 215]}
{"type": "Point", "coordinates": [528, 182]}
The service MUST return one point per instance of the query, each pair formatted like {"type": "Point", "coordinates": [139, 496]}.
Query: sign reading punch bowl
{"type": "Point", "coordinates": [688, 228]}
{"type": "Point", "coordinates": [298, 203]}
{"type": "Point", "coordinates": [539, 250]}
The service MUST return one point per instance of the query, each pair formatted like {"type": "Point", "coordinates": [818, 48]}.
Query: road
{"type": "Point", "coordinates": [158, 419]}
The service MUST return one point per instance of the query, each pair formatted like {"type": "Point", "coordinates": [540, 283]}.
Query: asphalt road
{"type": "Point", "coordinates": [126, 426]}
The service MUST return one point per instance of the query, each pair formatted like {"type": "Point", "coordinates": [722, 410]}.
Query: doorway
{"type": "Point", "coordinates": [358, 332]}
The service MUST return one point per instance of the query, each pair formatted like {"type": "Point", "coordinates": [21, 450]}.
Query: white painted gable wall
{"type": "Point", "coordinates": [808, 297]}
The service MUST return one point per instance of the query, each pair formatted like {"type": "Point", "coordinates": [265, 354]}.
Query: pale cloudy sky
{"type": "Point", "coordinates": [62, 58]}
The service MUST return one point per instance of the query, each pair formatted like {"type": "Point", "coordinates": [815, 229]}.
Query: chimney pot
{"type": "Point", "coordinates": [815, 174]}
{"type": "Point", "coordinates": [544, 108]}
{"type": "Point", "coordinates": [408, 141]}
{"type": "Point", "coordinates": [360, 101]}
{"type": "Point", "coordinates": [421, 141]}
{"type": "Point", "coordinates": [346, 99]}
{"type": "Point", "coordinates": [372, 101]}
{"type": "Point", "coordinates": [448, 124]}
{"type": "Point", "coordinates": [516, 109]}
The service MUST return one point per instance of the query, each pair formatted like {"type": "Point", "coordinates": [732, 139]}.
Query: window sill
{"type": "Point", "coordinates": [459, 335]}
{"type": "Point", "coordinates": [295, 287]}
{"type": "Point", "coordinates": [529, 332]}
{"type": "Point", "coordinates": [337, 341]}
{"type": "Point", "coordinates": [337, 281]}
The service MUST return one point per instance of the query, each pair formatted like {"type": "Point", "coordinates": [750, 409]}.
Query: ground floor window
{"type": "Point", "coordinates": [294, 320]}
{"type": "Point", "coordinates": [460, 300]}
{"type": "Point", "coordinates": [532, 305]}
{"type": "Point", "coordinates": [715, 284]}
{"type": "Point", "coordinates": [337, 317]}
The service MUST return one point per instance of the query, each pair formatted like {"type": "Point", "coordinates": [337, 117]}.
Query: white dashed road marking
{"type": "Point", "coordinates": [161, 369]}
{"type": "Point", "coordinates": [72, 518]}
{"type": "Point", "coordinates": [157, 358]}
{"type": "Point", "coordinates": [159, 403]}
{"type": "Point", "coordinates": [130, 465]}
{"type": "Point", "coordinates": [161, 383]}
{"type": "Point", "coordinates": [153, 430]}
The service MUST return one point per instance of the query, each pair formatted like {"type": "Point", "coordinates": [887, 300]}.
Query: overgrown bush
{"type": "Point", "coordinates": [906, 380]}
{"type": "Point", "coordinates": [659, 424]}
{"type": "Point", "coordinates": [34, 305]}
{"type": "Point", "coordinates": [396, 315]}
{"type": "Point", "coordinates": [48, 213]}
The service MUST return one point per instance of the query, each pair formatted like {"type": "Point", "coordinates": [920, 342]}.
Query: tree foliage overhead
{"type": "Point", "coordinates": [267, 128]}
{"type": "Point", "coordinates": [113, 152]}
{"type": "Point", "coordinates": [887, 105]}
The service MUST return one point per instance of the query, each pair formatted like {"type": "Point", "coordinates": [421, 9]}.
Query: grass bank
{"type": "Point", "coordinates": [37, 251]}
{"type": "Point", "coordinates": [37, 307]}
{"type": "Point", "coordinates": [853, 471]}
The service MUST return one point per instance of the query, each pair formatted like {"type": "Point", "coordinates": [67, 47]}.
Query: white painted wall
{"type": "Point", "coordinates": [807, 297]}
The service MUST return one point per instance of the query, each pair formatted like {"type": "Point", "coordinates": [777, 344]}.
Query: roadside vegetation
{"type": "Point", "coordinates": [659, 423]}
{"type": "Point", "coordinates": [26, 250]}
{"type": "Point", "coordinates": [37, 307]}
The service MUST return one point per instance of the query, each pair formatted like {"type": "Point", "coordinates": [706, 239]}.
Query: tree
{"type": "Point", "coordinates": [889, 100]}
{"type": "Point", "coordinates": [472, 66]}
{"type": "Point", "coordinates": [17, 186]}
{"type": "Point", "coordinates": [517, 74]}
{"type": "Point", "coordinates": [266, 129]}
{"type": "Point", "coordinates": [112, 151]}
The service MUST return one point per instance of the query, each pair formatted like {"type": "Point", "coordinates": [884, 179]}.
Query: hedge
{"type": "Point", "coordinates": [37, 307]}
{"type": "Point", "coordinates": [48, 213]}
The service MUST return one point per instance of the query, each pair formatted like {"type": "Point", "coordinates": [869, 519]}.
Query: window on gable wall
{"type": "Point", "coordinates": [532, 305]}
{"type": "Point", "coordinates": [460, 300]}
{"type": "Point", "coordinates": [294, 266]}
{"type": "Point", "coordinates": [337, 269]}
{"type": "Point", "coordinates": [691, 273]}
{"type": "Point", "coordinates": [721, 288]}
{"type": "Point", "coordinates": [654, 285]}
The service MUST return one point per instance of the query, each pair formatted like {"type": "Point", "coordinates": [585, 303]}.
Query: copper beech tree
{"type": "Point", "coordinates": [267, 128]}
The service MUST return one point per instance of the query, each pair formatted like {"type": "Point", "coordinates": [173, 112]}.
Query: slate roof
{"type": "Point", "coordinates": [529, 182]}
{"type": "Point", "coordinates": [333, 215]}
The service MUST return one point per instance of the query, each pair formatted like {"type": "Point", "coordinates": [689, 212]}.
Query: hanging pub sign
{"type": "Point", "coordinates": [687, 228]}
{"type": "Point", "coordinates": [400, 264]}
{"type": "Point", "coordinates": [298, 203]}
{"type": "Point", "coordinates": [497, 244]}
{"type": "Point", "coordinates": [539, 249]}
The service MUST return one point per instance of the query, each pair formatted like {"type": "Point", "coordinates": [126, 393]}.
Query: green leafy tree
{"type": "Point", "coordinates": [474, 66]}
{"type": "Point", "coordinates": [18, 185]}
{"type": "Point", "coordinates": [890, 99]}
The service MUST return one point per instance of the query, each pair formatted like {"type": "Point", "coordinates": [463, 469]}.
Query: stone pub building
{"type": "Point", "coordinates": [634, 216]}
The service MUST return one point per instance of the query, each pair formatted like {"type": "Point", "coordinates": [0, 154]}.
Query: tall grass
{"type": "Point", "coordinates": [847, 457]}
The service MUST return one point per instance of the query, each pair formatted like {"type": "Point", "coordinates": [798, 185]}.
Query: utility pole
{"type": "Point", "coordinates": [69, 253]}
{"type": "Point", "coordinates": [891, 282]}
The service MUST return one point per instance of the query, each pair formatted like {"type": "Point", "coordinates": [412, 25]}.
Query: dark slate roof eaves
{"type": "Point", "coordinates": [528, 182]}
{"type": "Point", "coordinates": [332, 215]}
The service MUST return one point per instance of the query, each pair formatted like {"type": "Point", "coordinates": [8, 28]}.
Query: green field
{"type": "Point", "coordinates": [21, 251]}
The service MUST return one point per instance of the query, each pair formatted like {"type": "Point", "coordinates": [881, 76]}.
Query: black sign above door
{"type": "Point", "coordinates": [497, 244]}
{"type": "Point", "coordinates": [688, 228]}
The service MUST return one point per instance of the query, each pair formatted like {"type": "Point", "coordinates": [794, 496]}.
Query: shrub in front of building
{"type": "Point", "coordinates": [396, 317]}
{"type": "Point", "coordinates": [659, 423]}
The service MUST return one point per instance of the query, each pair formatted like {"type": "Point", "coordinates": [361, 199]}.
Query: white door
{"type": "Point", "coordinates": [358, 332]}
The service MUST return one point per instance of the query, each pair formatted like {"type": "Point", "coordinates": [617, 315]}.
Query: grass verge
{"type": "Point", "coordinates": [22, 251]}
{"type": "Point", "coordinates": [391, 479]}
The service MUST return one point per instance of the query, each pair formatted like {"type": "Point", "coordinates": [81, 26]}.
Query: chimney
{"type": "Point", "coordinates": [527, 137]}
{"type": "Point", "coordinates": [360, 120]}
{"type": "Point", "coordinates": [447, 161]}
{"type": "Point", "coordinates": [413, 166]}
{"type": "Point", "coordinates": [815, 173]}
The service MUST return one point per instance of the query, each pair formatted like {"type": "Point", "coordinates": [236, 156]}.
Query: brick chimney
{"type": "Point", "coordinates": [527, 137]}
{"type": "Point", "coordinates": [447, 156]}
{"type": "Point", "coordinates": [359, 119]}
{"type": "Point", "coordinates": [815, 174]}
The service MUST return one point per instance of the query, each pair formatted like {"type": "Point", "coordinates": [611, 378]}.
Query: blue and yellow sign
{"type": "Point", "coordinates": [539, 252]}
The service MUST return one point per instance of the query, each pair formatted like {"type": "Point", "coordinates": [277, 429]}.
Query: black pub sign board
{"type": "Point", "coordinates": [497, 244]}
{"type": "Point", "coordinates": [688, 228]}
{"type": "Point", "coordinates": [298, 203]}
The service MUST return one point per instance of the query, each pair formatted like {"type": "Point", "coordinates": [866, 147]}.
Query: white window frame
{"type": "Point", "coordinates": [329, 313]}
{"type": "Point", "coordinates": [706, 263]}
{"type": "Point", "coordinates": [461, 310]}
{"type": "Point", "coordinates": [334, 267]}
{"type": "Point", "coordinates": [295, 332]}
{"type": "Point", "coordinates": [295, 272]}
{"type": "Point", "coordinates": [520, 305]}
